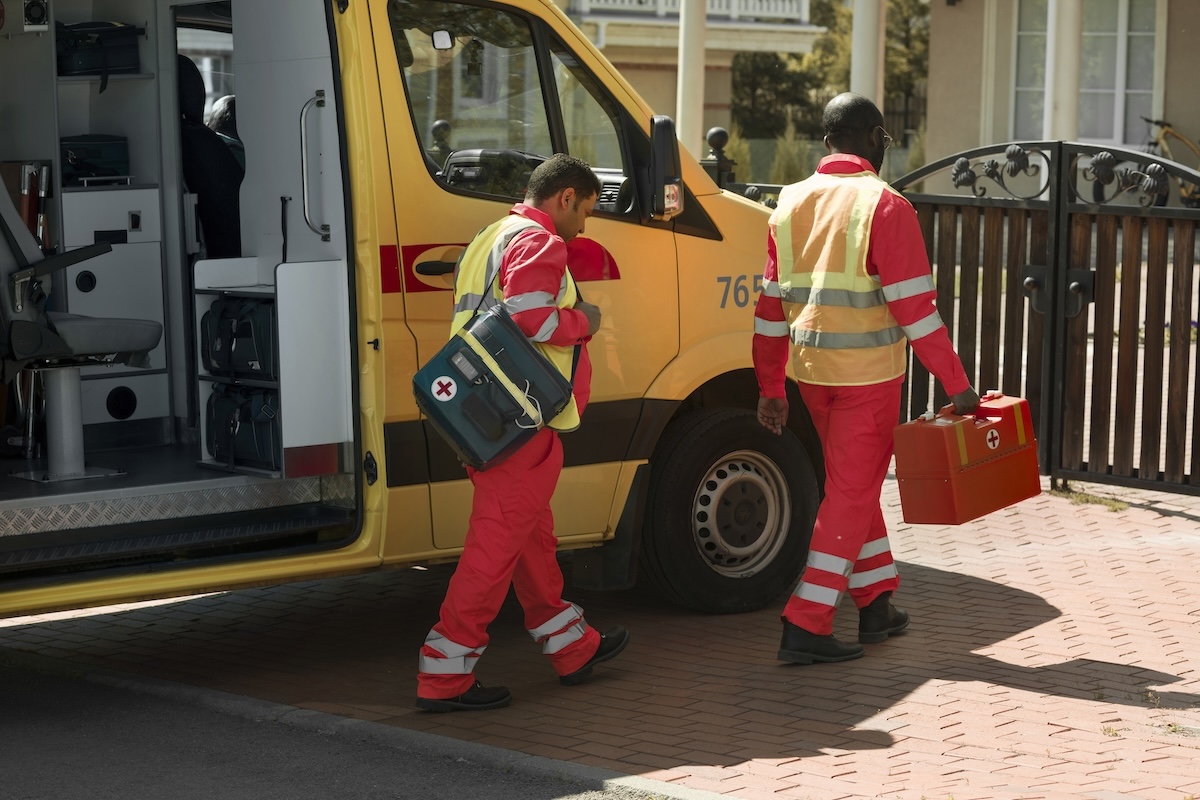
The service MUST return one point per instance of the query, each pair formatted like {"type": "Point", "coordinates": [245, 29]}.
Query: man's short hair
{"type": "Point", "coordinates": [558, 172]}
{"type": "Point", "coordinates": [849, 118]}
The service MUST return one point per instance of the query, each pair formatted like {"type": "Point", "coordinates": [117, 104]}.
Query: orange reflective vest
{"type": "Point", "coordinates": [838, 319]}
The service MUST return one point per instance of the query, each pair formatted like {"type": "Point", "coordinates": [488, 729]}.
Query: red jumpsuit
{"type": "Point", "coordinates": [511, 535]}
{"type": "Point", "coordinates": [850, 547]}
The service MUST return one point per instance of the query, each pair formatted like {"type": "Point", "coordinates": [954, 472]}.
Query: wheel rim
{"type": "Point", "coordinates": [741, 514]}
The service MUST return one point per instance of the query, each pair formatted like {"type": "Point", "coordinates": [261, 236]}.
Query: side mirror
{"type": "Point", "coordinates": [666, 181]}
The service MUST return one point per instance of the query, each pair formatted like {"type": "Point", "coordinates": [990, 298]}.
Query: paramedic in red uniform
{"type": "Point", "coordinates": [847, 281]}
{"type": "Point", "coordinates": [511, 535]}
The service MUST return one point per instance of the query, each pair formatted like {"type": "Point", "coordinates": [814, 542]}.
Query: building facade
{"type": "Point", "coordinates": [641, 39]}
{"type": "Point", "coordinates": [1123, 60]}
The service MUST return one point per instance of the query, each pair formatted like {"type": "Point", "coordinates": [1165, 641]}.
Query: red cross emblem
{"type": "Point", "coordinates": [444, 388]}
{"type": "Point", "coordinates": [993, 439]}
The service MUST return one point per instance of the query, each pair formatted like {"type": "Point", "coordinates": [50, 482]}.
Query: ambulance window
{"type": "Point", "coordinates": [471, 74]}
{"type": "Point", "coordinates": [590, 116]}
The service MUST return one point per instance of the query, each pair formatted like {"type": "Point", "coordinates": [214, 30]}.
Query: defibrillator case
{"type": "Point", "coordinates": [952, 469]}
{"type": "Point", "coordinates": [489, 390]}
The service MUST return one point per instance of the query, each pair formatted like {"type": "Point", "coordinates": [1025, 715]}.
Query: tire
{"type": "Point", "coordinates": [763, 488]}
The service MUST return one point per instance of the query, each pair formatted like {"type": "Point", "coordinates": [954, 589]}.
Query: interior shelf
{"type": "Point", "coordinates": [120, 76]}
{"type": "Point", "coordinates": [256, 290]}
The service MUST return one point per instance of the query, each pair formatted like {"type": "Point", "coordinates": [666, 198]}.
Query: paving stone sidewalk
{"type": "Point", "coordinates": [1053, 653]}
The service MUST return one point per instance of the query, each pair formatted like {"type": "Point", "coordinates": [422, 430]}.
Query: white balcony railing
{"type": "Point", "coordinates": [796, 10]}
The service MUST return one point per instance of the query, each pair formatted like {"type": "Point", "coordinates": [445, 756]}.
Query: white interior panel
{"type": "Point", "coordinates": [314, 353]}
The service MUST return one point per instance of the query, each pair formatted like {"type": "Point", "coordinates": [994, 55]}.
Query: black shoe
{"type": "Point", "coordinates": [477, 698]}
{"type": "Point", "coordinates": [880, 620]}
{"type": "Point", "coordinates": [801, 647]}
{"type": "Point", "coordinates": [611, 645]}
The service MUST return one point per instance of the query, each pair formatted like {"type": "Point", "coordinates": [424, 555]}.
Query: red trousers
{"type": "Point", "coordinates": [510, 540]}
{"type": "Point", "coordinates": [849, 544]}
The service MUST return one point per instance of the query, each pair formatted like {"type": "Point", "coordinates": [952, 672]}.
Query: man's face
{"type": "Point", "coordinates": [570, 213]}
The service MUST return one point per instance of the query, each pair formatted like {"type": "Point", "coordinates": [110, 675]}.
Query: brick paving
{"type": "Point", "coordinates": [1053, 653]}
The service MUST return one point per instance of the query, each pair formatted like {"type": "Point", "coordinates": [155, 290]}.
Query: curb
{"type": "Point", "coordinates": [331, 724]}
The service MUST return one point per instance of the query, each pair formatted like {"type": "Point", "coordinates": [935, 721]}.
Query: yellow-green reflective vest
{"type": "Point", "coordinates": [838, 319]}
{"type": "Point", "coordinates": [473, 275]}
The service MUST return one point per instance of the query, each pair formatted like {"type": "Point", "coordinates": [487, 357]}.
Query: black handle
{"type": "Point", "coordinates": [434, 267]}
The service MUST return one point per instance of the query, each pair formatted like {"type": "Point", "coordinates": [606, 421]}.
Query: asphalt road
{"type": "Point", "coordinates": [66, 735]}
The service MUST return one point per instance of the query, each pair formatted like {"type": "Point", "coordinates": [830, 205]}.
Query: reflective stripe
{"type": "Point", "coordinates": [770, 288]}
{"type": "Point", "coordinates": [770, 327]}
{"type": "Point", "coordinates": [843, 298]}
{"type": "Point", "coordinates": [459, 660]}
{"type": "Point", "coordinates": [828, 563]}
{"type": "Point", "coordinates": [912, 287]}
{"type": "Point", "coordinates": [565, 639]}
{"type": "Point", "coordinates": [559, 621]}
{"type": "Point", "coordinates": [923, 327]}
{"type": "Point", "coordinates": [470, 302]}
{"type": "Point", "coordinates": [548, 327]}
{"type": "Point", "coordinates": [822, 595]}
{"type": "Point", "coordinates": [449, 648]}
{"type": "Point", "coordinates": [872, 576]}
{"type": "Point", "coordinates": [828, 280]}
{"type": "Point", "coordinates": [847, 341]}
{"type": "Point", "coordinates": [524, 302]}
{"type": "Point", "coordinates": [875, 548]}
{"type": "Point", "coordinates": [562, 630]}
{"type": "Point", "coordinates": [447, 666]}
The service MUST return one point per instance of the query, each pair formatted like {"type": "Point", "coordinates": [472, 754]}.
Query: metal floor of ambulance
{"type": "Point", "coordinates": [160, 483]}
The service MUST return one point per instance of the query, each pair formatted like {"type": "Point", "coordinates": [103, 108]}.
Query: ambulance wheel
{"type": "Point", "coordinates": [730, 512]}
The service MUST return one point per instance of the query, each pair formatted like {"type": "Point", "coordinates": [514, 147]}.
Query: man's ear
{"type": "Point", "coordinates": [828, 146]}
{"type": "Point", "coordinates": [566, 198]}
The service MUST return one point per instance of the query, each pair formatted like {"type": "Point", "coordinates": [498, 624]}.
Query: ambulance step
{"type": "Point", "coordinates": [173, 540]}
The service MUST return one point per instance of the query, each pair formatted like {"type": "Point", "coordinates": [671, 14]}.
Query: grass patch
{"type": "Point", "coordinates": [1084, 498]}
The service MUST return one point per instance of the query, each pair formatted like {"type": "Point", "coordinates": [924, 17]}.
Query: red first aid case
{"type": "Point", "coordinates": [953, 469]}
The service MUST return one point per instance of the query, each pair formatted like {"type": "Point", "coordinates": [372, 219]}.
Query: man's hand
{"type": "Point", "coordinates": [773, 413]}
{"type": "Point", "coordinates": [593, 316]}
{"type": "Point", "coordinates": [965, 401]}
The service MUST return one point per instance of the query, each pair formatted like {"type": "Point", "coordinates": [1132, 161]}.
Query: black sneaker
{"type": "Point", "coordinates": [611, 644]}
{"type": "Point", "coordinates": [477, 698]}
{"type": "Point", "coordinates": [880, 620]}
{"type": "Point", "coordinates": [801, 647]}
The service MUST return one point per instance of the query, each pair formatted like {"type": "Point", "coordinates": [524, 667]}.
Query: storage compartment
{"type": "Point", "coordinates": [93, 158]}
{"type": "Point", "coordinates": [117, 216]}
{"type": "Point", "coordinates": [97, 48]}
{"type": "Point", "coordinates": [237, 339]}
{"type": "Point", "coordinates": [291, 337]}
{"type": "Point", "coordinates": [243, 427]}
{"type": "Point", "coordinates": [132, 396]}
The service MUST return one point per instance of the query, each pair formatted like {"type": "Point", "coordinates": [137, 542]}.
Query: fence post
{"type": "Point", "coordinates": [717, 164]}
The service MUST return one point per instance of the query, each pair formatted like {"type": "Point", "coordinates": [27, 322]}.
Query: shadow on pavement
{"type": "Point", "coordinates": [690, 688]}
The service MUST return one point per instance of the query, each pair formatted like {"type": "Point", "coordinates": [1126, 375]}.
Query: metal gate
{"type": "Point", "coordinates": [1066, 274]}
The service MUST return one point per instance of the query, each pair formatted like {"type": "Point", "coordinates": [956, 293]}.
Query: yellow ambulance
{"type": "Point", "coordinates": [212, 320]}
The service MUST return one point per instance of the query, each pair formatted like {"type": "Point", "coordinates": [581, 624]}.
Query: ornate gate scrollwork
{"type": "Point", "coordinates": [1150, 183]}
{"type": "Point", "coordinates": [1017, 161]}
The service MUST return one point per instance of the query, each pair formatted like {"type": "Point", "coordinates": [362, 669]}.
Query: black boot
{"type": "Point", "coordinates": [477, 698]}
{"type": "Point", "coordinates": [611, 644]}
{"type": "Point", "coordinates": [801, 647]}
{"type": "Point", "coordinates": [880, 620]}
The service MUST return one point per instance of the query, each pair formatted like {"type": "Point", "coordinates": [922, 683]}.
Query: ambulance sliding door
{"type": "Point", "coordinates": [474, 98]}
